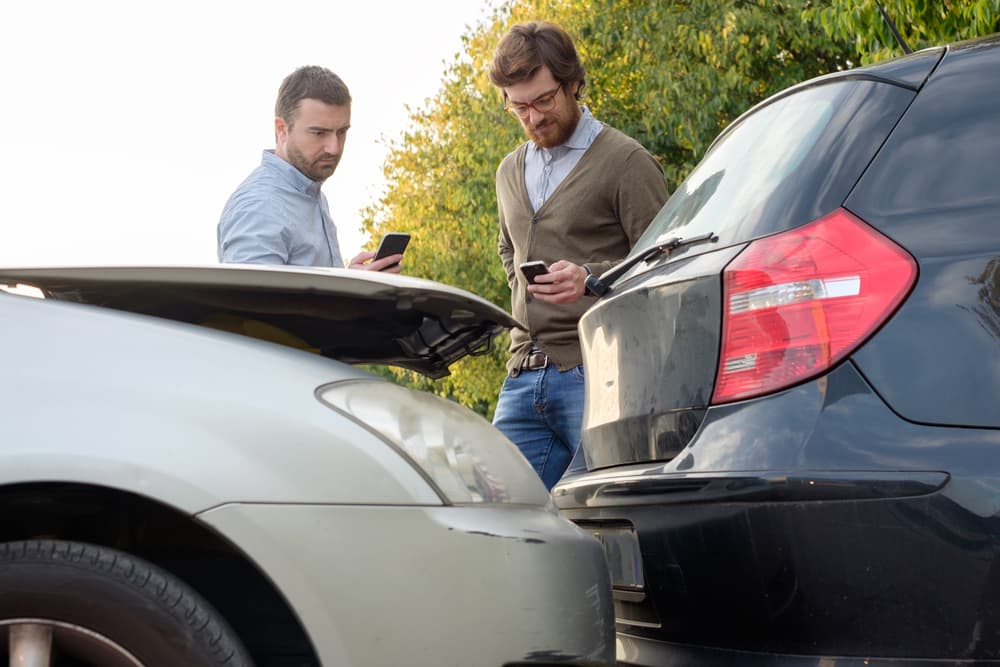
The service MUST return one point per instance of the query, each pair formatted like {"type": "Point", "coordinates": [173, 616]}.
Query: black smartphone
{"type": "Point", "coordinates": [393, 243]}
{"type": "Point", "coordinates": [531, 270]}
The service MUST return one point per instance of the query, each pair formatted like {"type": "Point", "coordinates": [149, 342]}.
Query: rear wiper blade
{"type": "Point", "coordinates": [601, 286]}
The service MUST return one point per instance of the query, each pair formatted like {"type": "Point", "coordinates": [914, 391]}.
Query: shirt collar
{"type": "Point", "coordinates": [586, 129]}
{"type": "Point", "coordinates": [293, 176]}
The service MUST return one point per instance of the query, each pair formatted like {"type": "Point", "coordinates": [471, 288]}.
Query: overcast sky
{"type": "Point", "coordinates": [129, 123]}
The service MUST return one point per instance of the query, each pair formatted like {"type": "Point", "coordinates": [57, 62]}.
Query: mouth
{"type": "Point", "coordinates": [542, 130]}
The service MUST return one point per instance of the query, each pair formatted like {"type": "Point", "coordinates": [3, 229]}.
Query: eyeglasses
{"type": "Point", "coordinates": [542, 104]}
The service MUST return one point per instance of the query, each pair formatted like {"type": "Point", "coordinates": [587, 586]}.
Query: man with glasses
{"type": "Point", "coordinates": [576, 196]}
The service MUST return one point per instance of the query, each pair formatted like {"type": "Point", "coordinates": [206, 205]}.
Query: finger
{"type": "Point", "coordinates": [363, 257]}
{"type": "Point", "coordinates": [385, 263]}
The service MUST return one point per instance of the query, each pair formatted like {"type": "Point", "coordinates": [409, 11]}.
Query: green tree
{"type": "Point", "coordinates": [670, 74]}
{"type": "Point", "coordinates": [441, 190]}
{"type": "Point", "coordinates": [921, 23]}
{"type": "Point", "coordinates": [674, 74]}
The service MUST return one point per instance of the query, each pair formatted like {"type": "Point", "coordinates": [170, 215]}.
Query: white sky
{"type": "Point", "coordinates": [129, 122]}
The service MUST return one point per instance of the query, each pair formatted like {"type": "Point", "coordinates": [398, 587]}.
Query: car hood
{"type": "Point", "coordinates": [349, 315]}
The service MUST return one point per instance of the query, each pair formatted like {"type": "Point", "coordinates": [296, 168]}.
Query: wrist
{"type": "Point", "coordinates": [586, 275]}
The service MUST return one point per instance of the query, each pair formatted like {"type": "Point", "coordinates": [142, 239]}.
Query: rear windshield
{"type": "Point", "coordinates": [789, 162]}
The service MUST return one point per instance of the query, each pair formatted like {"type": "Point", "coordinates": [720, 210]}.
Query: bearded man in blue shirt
{"type": "Point", "coordinates": [279, 215]}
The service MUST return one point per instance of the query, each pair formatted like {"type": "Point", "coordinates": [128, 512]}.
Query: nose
{"type": "Point", "coordinates": [334, 145]}
{"type": "Point", "coordinates": [534, 116]}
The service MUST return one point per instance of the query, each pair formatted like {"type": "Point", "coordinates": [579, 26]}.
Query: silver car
{"type": "Point", "coordinates": [193, 472]}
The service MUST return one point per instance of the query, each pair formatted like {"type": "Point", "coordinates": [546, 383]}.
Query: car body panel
{"type": "Point", "coordinates": [630, 415]}
{"type": "Point", "coordinates": [183, 439]}
{"type": "Point", "coordinates": [946, 215]}
{"type": "Point", "coordinates": [350, 315]}
{"type": "Point", "coordinates": [851, 518]}
{"type": "Point", "coordinates": [211, 454]}
{"type": "Point", "coordinates": [398, 573]}
{"type": "Point", "coordinates": [627, 419]}
{"type": "Point", "coordinates": [910, 70]}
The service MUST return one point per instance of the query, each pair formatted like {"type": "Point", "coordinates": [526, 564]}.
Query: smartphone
{"type": "Point", "coordinates": [393, 243]}
{"type": "Point", "coordinates": [533, 269]}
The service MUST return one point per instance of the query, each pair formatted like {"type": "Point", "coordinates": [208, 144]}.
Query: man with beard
{"type": "Point", "coordinates": [576, 196]}
{"type": "Point", "coordinates": [279, 215]}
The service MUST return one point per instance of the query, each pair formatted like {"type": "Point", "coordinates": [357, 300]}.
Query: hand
{"type": "Point", "coordinates": [363, 261]}
{"type": "Point", "coordinates": [564, 283]}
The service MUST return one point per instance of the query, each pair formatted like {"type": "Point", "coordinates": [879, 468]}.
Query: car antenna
{"type": "Point", "coordinates": [892, 27]}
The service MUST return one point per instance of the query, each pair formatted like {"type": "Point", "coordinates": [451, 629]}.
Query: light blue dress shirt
{"type": "Point", "coordinates": [546, 168]}
{"type": "Point", "coordinates": [278, 215]}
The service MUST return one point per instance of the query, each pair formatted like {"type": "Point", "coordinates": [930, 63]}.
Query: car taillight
{"type": "Point", "coordinates": [797, 303]}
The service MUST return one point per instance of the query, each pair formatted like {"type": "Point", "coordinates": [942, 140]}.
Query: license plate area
{"type": "Point", "coordinates": [621, 549]}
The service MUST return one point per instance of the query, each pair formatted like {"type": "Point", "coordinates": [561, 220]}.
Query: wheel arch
{"type": "Point", "coordinates": [193, 552]}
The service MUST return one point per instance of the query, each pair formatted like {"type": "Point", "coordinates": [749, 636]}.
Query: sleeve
{"type": "Point", "coordinates": [641, 193]}
{"type": "Point", "coordinates": [252, 231]}
{"type": "Point", "coordinates": [505, 247]}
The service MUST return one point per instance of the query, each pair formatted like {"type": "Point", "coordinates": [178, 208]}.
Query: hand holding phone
{"type": "Point", "coordinates": [532, 270]}
{"type": "Point", "coordinates": [393, 243]}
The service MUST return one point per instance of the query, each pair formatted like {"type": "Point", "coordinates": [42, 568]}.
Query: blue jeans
{"type": "Point", "coordinates": [542, 413]}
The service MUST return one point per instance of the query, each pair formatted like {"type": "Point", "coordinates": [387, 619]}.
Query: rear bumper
{"type": "Point", "coordinates": [912, 577]}
{"type": "Point", "coordinates": [640, 652]}
{"type": "Point", "coordinates": [809, 524]}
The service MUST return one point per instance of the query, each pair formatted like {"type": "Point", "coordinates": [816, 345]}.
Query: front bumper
{"type": "Point", "coordinates": [433, 586]}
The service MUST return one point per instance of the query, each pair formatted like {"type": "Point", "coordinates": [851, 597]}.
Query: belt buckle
{"type": "Point", "coordinates": [536, 361]}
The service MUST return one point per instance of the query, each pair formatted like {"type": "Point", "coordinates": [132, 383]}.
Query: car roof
{"type": "Point", "coordinates": [350, 315]}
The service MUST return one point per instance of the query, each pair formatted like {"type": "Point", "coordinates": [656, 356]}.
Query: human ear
{"type": "Point", "coordinates": [280, 130]}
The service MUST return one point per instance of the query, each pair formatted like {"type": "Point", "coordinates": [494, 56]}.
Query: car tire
{"type": "Point", "coordinates": [99, 606]}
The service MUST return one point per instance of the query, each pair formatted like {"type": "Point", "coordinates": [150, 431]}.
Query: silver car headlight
{"type": "Point", "coordinates": [461, 454]}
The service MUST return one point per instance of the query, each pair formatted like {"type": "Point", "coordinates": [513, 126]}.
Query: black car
{"type": "Point", "coordinates": [791, 446]}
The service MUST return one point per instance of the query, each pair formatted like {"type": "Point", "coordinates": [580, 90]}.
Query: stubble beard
{"type": "Point", "coordinates": [313, 170]}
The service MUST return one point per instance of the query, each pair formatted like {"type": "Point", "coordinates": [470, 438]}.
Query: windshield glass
{"type": "Point", "coordinates": [745, 167]}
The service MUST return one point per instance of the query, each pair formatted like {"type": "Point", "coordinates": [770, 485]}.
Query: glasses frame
{"type": "Point", "coordinates": [523, 109]}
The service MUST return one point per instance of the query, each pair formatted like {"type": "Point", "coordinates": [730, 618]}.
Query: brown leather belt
{"type": "Point", "coordinates": [535, 361]}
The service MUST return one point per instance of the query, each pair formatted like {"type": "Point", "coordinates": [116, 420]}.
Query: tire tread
{"type": "Point", "coordinates": [174, 597]}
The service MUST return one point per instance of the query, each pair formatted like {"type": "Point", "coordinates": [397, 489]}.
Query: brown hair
{"type": "Point", "coordinates": [312, 82]}
{"type": "Point", "coordinates": [529, 46]}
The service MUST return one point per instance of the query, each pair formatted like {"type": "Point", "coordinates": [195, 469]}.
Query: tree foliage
{"type": "Point", "coordinates": [671, 74]}
{"type": "Point", "coordinates": [921, 23]}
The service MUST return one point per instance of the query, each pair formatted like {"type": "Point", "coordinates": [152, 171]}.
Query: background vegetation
{"type": "Point", "coordinates": [671, 74]}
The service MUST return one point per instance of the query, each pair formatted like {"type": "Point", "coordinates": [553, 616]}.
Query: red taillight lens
{"type": "Point", "coordinates": [798, 302]}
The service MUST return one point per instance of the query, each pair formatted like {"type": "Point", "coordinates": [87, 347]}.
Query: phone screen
{"type": "Point", "coordinates": [531, 270]}
{"type": "Point", "coordinates": [393, 243]}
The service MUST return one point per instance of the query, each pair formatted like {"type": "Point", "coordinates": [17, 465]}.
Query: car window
{"type": "Point", "coordinates": [783, 165]}
{"type": "Point", "coordinates": [745, 167]}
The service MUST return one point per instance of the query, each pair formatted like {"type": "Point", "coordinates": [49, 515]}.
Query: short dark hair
{"type": "Point", "coordinates": [529, 46]}
{"type": "Point", "coordinates": [309, 82]}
